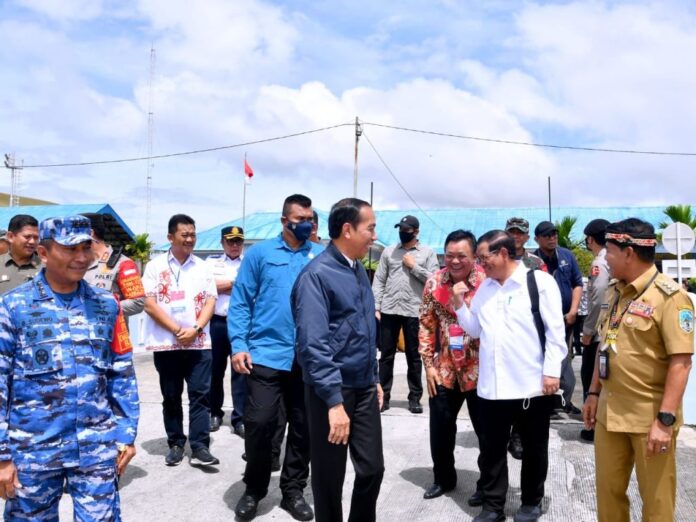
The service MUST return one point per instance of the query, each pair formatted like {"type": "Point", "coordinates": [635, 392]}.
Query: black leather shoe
{"type": "Point", "coordinates": [239, 429]}
{"type": "Point", "coordinates": [275, 463]}
{"type": "Point", "coordinates": [587, 435]}
{"type": "Point", "coordinates": [476, 499]}
{"type": "Point", "coordinates": [385, 406]}
{"type": "Point", "coordinates": [489, 516]}
{"type": "Point", "coordinates": [215, 423]}
{"type": "Point", "coordinates": [415, 407]}
{"type": "Point", "coordinates": [435, 490]}
{"type": "Point", "coordinates": [515, 446]}
{"type": "Point", "coordinates": [571, 409]}
{"type": "Point", "coordinates": [246, 507]}
{"type": "Point", "coordinates": [528, 514]}
{"type": "Point", "coordinates": [297, 507]}
{"type": "Point", "coordinates": [175, 456]}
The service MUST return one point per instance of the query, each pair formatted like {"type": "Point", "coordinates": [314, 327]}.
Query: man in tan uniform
{"type": "Point", "coordinates": [634, 402]}
{"type": "Point", "coordinates": [21, 263]}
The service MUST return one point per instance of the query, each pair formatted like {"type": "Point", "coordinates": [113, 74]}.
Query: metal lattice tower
{"type": "Point", "coordinates": [150, 139]}
{"type": "Point", "coordinates": [15, 178]}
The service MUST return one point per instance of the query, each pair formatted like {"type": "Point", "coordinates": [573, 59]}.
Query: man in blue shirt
{"type": "Point", "coordinates": [564, 268]}
{"type": "Point", "coordinates": [262, 334]}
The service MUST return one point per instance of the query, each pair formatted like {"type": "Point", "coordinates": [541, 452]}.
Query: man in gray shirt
{"type": "Point", "coordinates": [598, 281]}
{"type": "Point", "coordinates": [398, 288]}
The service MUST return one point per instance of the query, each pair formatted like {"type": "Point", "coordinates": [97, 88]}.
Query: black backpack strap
{"type": "Point", "coordinates": [534, 296]}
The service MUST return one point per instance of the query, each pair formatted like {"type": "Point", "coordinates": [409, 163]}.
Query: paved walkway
{"type": "Point", "coordinates": [150, 491]}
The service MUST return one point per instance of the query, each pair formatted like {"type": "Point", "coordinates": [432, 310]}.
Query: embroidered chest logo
{"type": "Point", "coordinates": [41, 357]}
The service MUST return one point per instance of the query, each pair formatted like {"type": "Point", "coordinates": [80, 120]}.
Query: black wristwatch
{"type": "Point", "coordinates": [666, 419]}
{"type": "Point", "coordinates": [199, 329]}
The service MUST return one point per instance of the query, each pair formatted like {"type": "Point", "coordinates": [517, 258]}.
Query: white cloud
{"type": "Point", "coordinates": [64, 10]}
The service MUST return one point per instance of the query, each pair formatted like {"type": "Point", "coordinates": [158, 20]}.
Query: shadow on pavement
{"type": "Point", "coordinates": [156, 446]}
{"type": "Point", "coordinates": [132, 473]}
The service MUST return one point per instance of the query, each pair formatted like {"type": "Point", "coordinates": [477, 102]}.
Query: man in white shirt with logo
{"type": "Point", "coordinates": [224, 268]}
{"type": "Point", "coordinates": [180, 299]}
{"type": "Point", "coordinates": [517, 373]}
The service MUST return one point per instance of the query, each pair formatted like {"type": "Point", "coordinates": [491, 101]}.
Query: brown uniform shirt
{"type": "Point", "coordinates": [657, 325]}
{"type": "Point", "coordinates": [12, 275]}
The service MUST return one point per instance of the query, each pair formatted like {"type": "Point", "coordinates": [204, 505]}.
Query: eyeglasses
{"type": "Point", "coordinates": [485, 257]}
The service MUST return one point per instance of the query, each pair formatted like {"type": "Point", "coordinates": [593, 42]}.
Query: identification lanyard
{"type": "Point", "coordinates": [615, 321]}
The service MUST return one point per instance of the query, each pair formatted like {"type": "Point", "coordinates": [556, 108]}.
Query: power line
{"type": "Point", "coordinates": [374, 124]}
{"type": "Point", "coordinates": [530, 144]}
{"type": "Point", "coordinates": [187, 153]}
{"type": "Point", "coordinates": [391, 173]}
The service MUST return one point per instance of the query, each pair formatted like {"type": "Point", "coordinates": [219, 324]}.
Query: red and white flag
{"type": "Point", "coordinates": [248, 172]}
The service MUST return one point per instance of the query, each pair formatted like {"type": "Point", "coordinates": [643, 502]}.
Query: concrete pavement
{"type": "Point", "coordinates": [150, 491]}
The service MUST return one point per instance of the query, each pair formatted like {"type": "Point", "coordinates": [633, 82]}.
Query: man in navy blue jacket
{"type": "Point", "coordinates": [564, 268]}
{"type": "Point", "coordinates": [336, 344]}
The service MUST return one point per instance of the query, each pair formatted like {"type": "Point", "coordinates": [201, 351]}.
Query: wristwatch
{"type": "Point", "coordinates": [666, 419]}
{"type": "Point", "coordinates": [199, 329]}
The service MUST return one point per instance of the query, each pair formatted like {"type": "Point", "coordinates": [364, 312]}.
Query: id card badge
{"type": "Point", "coordinates": [456, 337]}
{"type": "Point", "coordinates": [604, 364]}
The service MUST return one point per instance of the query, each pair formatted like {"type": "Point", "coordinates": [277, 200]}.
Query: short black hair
{"type": "Point", "coordinates": [179, 219]}
{"type": "Point", "coordinates": [461, 235]}
{"type": "Point", "coordinates": [296, 199]}
{"type": "Point", "coordinates": [498, 239]}
{"type": "Point", "coordinates": [346, 210]}
{"type": "Point", "coordinates": [96, 222]}
{"type": "Point", "coordinates": [20, 221]}
{"type": "Point", "coordinates": [636, 228]}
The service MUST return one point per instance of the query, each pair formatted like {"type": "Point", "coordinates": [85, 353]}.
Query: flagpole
{"type": "Point", "coordinates": [244, 180]}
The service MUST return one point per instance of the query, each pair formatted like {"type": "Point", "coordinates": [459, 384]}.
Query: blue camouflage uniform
{"type": "Point", "coordinates": [67, 400]}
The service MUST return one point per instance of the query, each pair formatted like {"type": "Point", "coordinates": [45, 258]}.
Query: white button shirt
{"type": "Point", "coordinates": [223, 269]}
{"type": "Point", "coordinates": [511, 362]}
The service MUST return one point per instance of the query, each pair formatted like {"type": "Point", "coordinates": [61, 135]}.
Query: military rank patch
{"type": "Point", "coordinates": [686, 320]}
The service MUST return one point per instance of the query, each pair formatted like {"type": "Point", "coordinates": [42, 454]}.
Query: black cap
{"type": "Point", "coordinates": [545, 228]}
{"type": "Point", "coordinates": [408, 222]}
{"type": "Point", "coordinates": [232, 232]}
{"type": "Point", "coordinates": [596, 227]}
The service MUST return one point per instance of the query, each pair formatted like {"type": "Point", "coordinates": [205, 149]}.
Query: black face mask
{"type": "Point", "coordinates": [405, 237]}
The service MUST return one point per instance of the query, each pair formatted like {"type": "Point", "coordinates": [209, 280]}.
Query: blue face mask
{"type": "Point", "coordinates": [301, 230]}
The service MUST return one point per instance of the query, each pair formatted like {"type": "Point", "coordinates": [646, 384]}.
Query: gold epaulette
{"type": "Point", "coordinates": [667, 285]}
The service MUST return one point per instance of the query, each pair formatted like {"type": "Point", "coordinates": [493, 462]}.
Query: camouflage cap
{"type": "Point", "coordinates": [66, 230]}
{"type": "Point", "coordinates": [520, 224]}
{"type": "Point", "coordinates": [3, 234]}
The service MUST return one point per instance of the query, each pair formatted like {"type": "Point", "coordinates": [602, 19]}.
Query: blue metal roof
{"type": "Point", "coordinates": [435, 224]}
{"type": "Point", "coordinates": [41, 212]}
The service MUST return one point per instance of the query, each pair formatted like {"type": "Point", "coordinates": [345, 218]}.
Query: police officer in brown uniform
{"type": "Point", "coordinates": [642, 366]}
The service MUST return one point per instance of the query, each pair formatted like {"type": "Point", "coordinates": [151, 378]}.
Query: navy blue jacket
{"type": "Point", "coordinates": [567, 274]}
{"type": "Point", "coordinates": [336, 331]}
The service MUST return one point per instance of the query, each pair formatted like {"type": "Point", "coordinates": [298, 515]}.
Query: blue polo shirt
{"type": "Point", "coordinates": [565, 270]}
{"type": "Point", "coordinates": [259, 319]}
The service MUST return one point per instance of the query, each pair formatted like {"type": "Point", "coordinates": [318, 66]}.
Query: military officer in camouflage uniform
{"type": "Point", "coordinates": [518, 228]}
{"type": "Point", "coordinates": [68, 394]}
{"type": "Point", "coordinates": [643, 363]}
{"type": "Point", "coordinates": [114, 271]}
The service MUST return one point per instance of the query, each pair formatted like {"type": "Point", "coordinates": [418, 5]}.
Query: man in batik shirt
{"type": "Point", "coordinates": [450, 358]}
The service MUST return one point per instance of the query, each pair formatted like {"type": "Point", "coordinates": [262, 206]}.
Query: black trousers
{"type": "Point", "coordinates": [193, 367]}
{"type": "Point", "coordinates": [444, 408]}
{"type": "Point", "coordinates": [589, 352]}
{"type": "Point", "coordinates": [267, 388]}
{"type": "Point", "coordinates": [390, 326]}
{"type": "Point", "coordinates": [497, 417]}
{"type": "Point", "coordinates": [329, 460]}
{"type": "Point", "coordinates": [221, 353]}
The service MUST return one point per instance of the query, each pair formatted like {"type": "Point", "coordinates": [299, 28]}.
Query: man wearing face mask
{"type": "Point", "coordinates": [398, 288]}
{"type": "Point", "coordinates": [262, 333]}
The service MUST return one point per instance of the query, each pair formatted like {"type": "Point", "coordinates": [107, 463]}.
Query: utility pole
{"type": "Point", "coordinates": [15, 175]}
{"type": "Point", "coordinates": [549, 186]}
{"type": "Point", "coordinates": [358, 133]}
{"type": "Point", "coordinates": [150, 139]}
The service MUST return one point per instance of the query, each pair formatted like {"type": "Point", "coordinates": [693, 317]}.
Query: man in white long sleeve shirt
{"type": "Point", "coordinates": [517, 375]}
